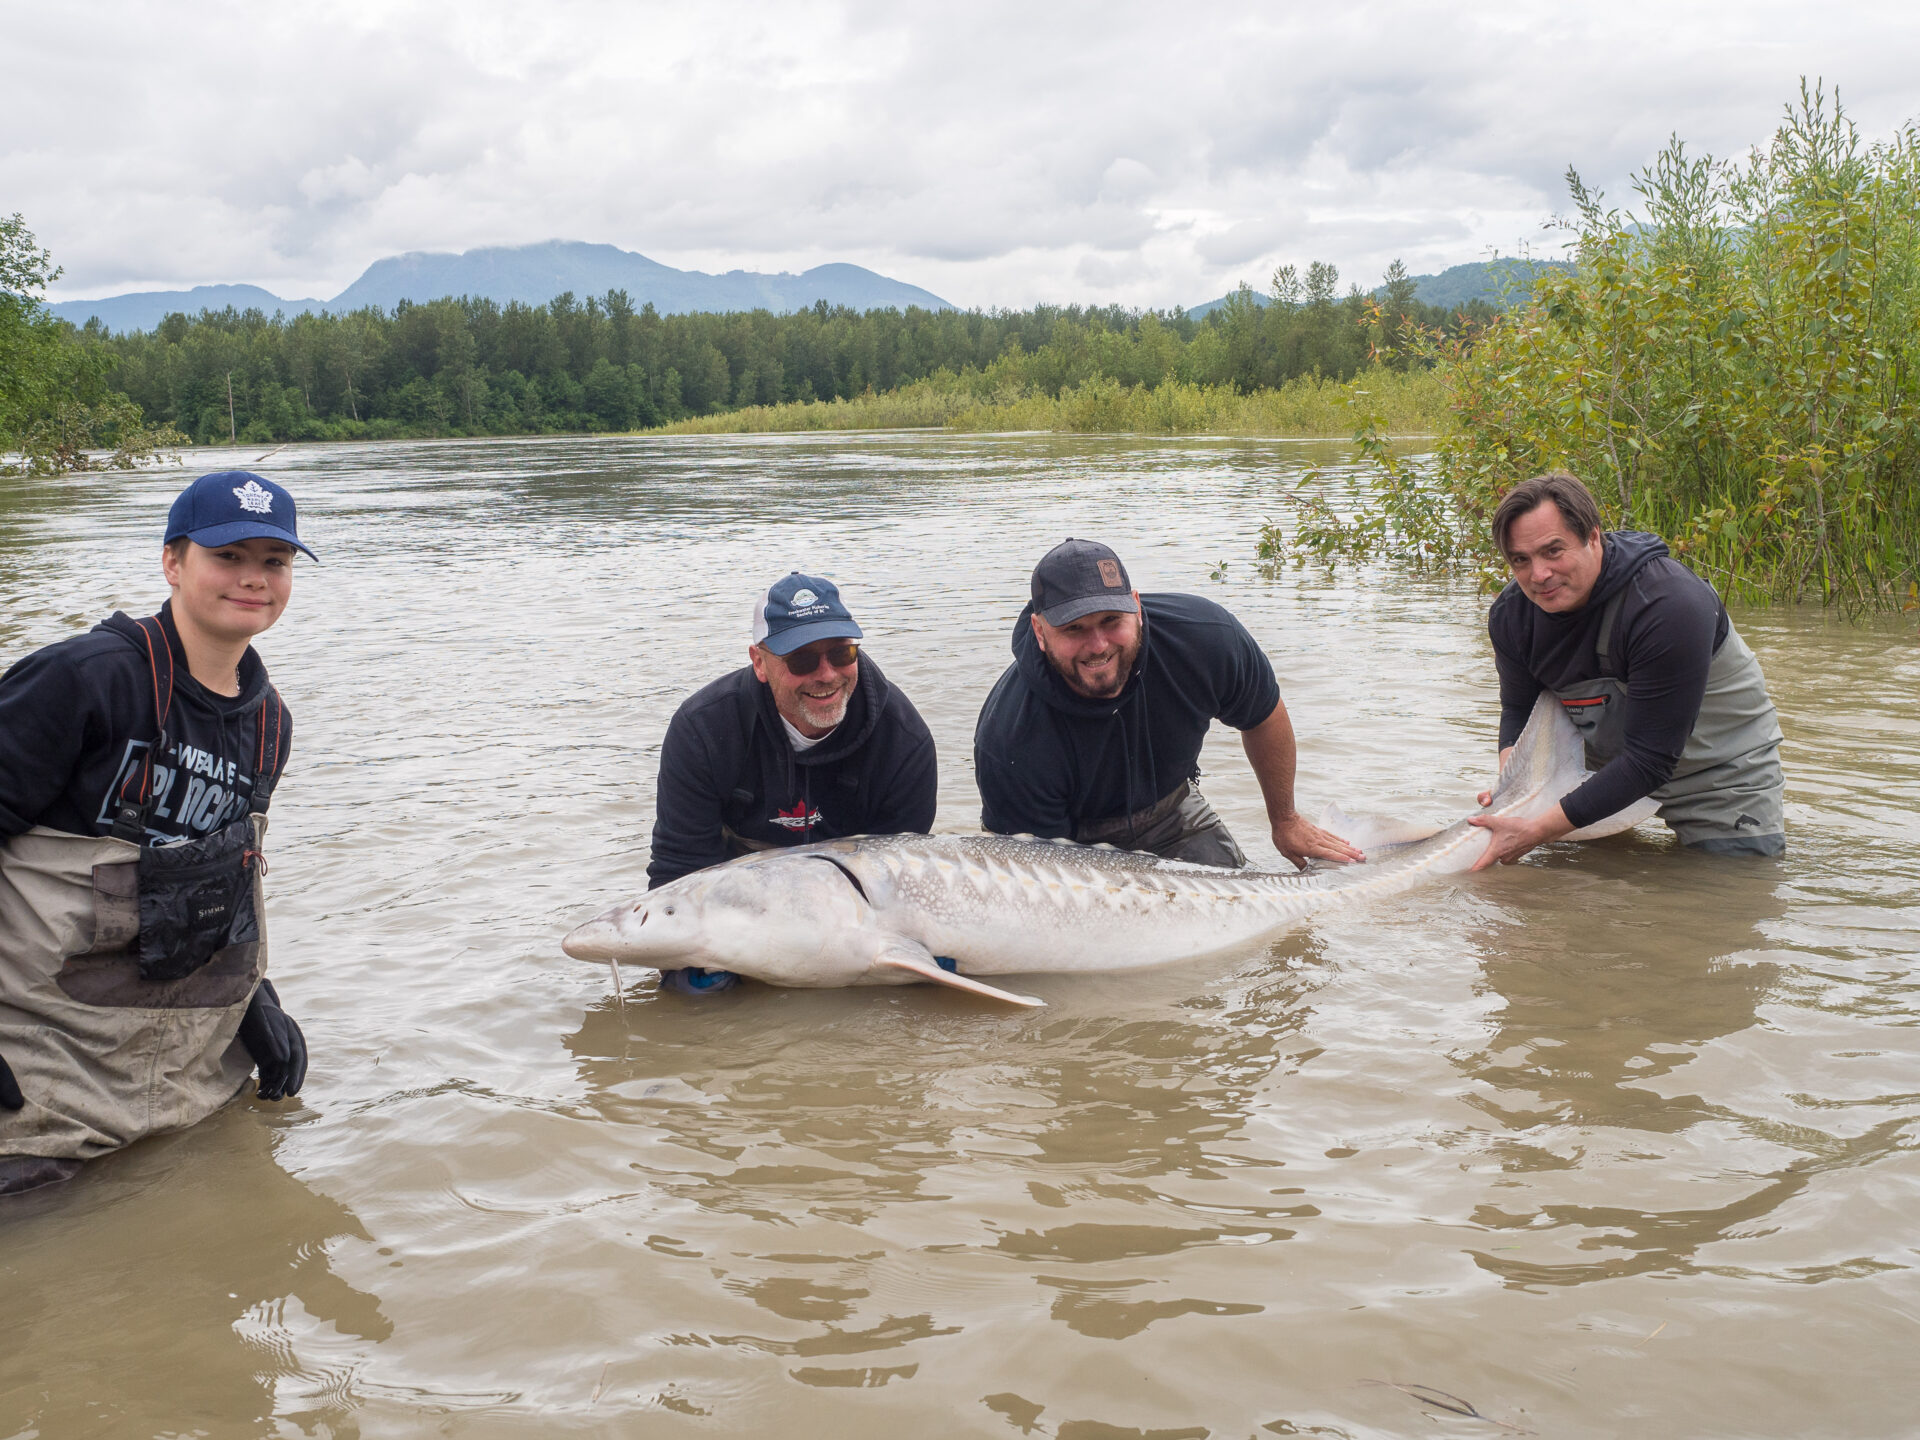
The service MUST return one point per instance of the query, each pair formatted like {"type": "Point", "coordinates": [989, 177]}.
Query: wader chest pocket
{"type": "Point", "coordinates": [116, 906]}
{"type": "Point", "coordinates": [196, 899]}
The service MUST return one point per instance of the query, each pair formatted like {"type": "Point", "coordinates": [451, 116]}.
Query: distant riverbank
{"type": "Point", "coordinates": [463, 368]}
{"type": "Point", "coordinates": [1413, 403]}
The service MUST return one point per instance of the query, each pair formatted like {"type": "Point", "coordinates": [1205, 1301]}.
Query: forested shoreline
{"type": "Point", "coordinates": [464, 367]}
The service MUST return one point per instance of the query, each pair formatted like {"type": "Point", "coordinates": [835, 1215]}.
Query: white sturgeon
{"type": "Point", "coordinates": [877, 909]}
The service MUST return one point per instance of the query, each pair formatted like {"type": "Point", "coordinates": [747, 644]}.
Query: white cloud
{"type": "Point", "coordinates": [996, 153]}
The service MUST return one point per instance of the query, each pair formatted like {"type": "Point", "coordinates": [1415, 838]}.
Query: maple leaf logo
{"type": "Point", "coordinates": [797, 818]}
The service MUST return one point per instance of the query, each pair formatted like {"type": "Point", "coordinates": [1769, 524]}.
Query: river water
{"type": "Point", "coordinates": [1619, 1141]}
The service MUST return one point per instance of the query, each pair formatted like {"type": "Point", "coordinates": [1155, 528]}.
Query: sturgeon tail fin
{"type": "Point", "coordinates": [1548, 762]}
{"type": "Point", "coordinates": [1621, 820]}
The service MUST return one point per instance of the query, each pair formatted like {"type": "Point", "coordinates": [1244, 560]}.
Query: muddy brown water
{"type": "Point", "coordinates": [1620, 1141]}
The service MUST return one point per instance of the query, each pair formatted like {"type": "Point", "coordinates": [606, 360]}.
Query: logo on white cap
{"type": "Point", "coordinates": [255, 497]}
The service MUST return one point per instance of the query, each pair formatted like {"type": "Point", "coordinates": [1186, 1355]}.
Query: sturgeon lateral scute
{"type": "Point", "coordinates": [878, 909]}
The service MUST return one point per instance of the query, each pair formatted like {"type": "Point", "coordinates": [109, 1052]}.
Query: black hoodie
{"type": "Point", "coordinates": [1670, 626]}
{"type": "Point", "coordinates": [76, 716]}
{"type": "Point", "coordinates": [1048, 758]}
{"type": "Point", "coordinates": [727, 761]}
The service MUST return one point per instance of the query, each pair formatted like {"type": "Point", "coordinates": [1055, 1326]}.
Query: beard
{"type": "Point", "coordinates": [1110, 683]}
{"type": "Point", "coordinates": [827, 713]}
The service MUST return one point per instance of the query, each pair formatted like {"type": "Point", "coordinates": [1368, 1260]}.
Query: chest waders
{"type": "Point", "coordinates": [1181, 825]}
{"type": "Point", "coordinates": [738, 844]}
{"type": "Point", "coordinates": [125, 968]}
{"type": "Point", "coordinates": [1727, 792]}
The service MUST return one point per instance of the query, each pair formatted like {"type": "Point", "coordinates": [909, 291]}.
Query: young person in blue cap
{"type": "Point", "coordinates": [136, 765]}
{"type": "Point", "coordinates": [808, 741]}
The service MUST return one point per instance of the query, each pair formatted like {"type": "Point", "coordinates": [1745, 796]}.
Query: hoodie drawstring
{"type": "Point", "coordinates": [1126, 756]}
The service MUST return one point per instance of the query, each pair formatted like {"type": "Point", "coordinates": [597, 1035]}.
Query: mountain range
{"type": "Point", "coordinates": [535, 274]}
{"type": "Point", "coordinates": [1488, 280]}
{"type": "Point", "coordinates": [532, 274]}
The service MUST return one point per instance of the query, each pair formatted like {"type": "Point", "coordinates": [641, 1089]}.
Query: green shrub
{"type": "Point", "coordinates": [1733, 368]}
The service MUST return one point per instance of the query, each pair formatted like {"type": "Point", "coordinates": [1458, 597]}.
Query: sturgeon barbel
{"type": "Point", "coordinates": [878, 909]}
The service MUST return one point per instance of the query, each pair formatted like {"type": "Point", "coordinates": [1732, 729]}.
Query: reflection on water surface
{"type": "Point", "coordinates": [1622, 1139]}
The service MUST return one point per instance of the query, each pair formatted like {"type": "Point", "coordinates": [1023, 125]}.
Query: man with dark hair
{"type": "Point", "coordinates": [136, 763]}
{"type": "Point", "coordinates": [1094, 732]}
{"type": "Point", "coordinates": [808, 741]}
{"type": "Point", "coordinates": [1640, 653]}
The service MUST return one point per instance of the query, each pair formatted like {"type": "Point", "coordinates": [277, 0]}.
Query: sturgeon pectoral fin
{"type": "Point", "coordinates": [917, 960]}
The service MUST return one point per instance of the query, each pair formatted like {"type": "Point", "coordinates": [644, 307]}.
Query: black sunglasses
{"type": "Point", "coordinates": [806, 660]}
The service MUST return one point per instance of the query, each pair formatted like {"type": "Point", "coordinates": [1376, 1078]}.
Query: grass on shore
{"type": "Point", "coordinates": [1408, 403]}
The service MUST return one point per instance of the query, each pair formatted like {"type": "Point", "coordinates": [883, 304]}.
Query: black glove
{"type": "Point", "coordinates": [278, 1048]}
{"type": "Point", "coordinates": [10, 1096]}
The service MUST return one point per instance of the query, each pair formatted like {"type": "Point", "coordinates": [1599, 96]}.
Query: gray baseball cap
{"type": "Point", "coordinates": [1077, 578]}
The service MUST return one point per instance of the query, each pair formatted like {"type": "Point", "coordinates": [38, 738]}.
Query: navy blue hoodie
{"type": "Point", "coordinates": [1671, 625]}
{"type": "Point", "coordinates": [726, 761]}
{"type": "Point", "coordinates": [76, 716]}
{"type": "Point", "coordinates": [1047, 757]}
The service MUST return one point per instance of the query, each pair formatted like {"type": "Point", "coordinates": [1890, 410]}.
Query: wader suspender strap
{"type": "Point", "coordinates": [1602, 645]}
{"type": "Point", "coordinates": [271, 757]}
{"type": "Point", "coordinates": [130, 815]}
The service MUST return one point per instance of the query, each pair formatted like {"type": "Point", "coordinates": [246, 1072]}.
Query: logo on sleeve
{"type": "Point", "coordinates": [255, 497]}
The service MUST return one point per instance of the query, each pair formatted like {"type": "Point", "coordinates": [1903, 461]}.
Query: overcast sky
{"type": "Point", "coordinates": [997, 154]}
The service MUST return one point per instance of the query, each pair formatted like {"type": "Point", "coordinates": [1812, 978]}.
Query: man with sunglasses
{"type": "Point", "coordinates": [1094, 732]}
{"type": "Point", "coordinates": [808, 741]}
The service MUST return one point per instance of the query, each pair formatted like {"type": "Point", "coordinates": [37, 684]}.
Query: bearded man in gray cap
{"type": "Point", "coordinates": [1094, 732]}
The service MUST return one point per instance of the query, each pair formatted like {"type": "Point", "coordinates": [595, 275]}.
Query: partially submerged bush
{"type": "Point", "coordinates": [1734, 369]}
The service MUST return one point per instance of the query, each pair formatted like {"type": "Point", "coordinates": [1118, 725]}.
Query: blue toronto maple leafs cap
{"type": "Point", "coordinates": [799, 610]}
{"type": "Point", "coordinates": [231, 505]}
